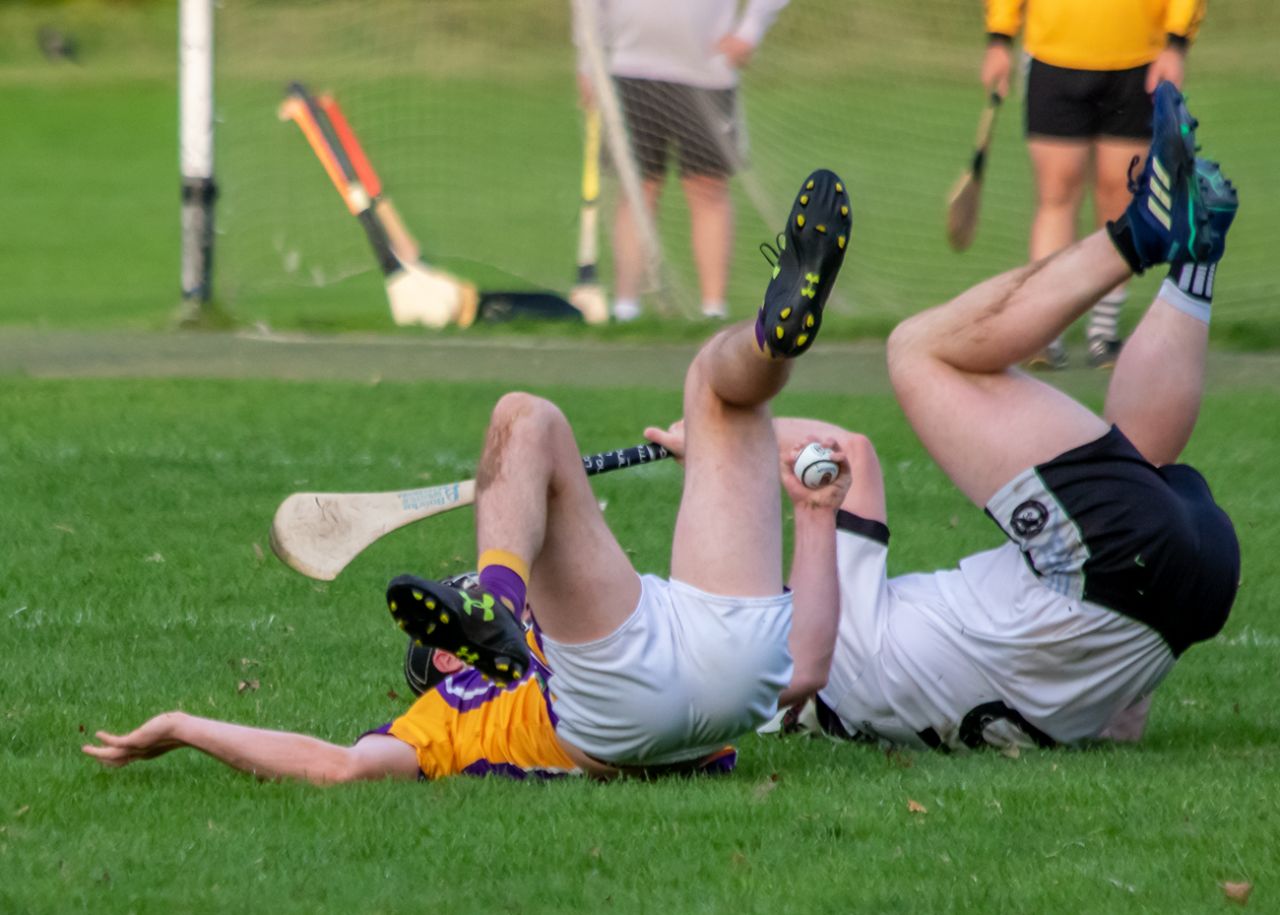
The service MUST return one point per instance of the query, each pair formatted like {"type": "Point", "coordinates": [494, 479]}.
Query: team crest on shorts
{"type": "Point", "coordinates": [1029, 518]}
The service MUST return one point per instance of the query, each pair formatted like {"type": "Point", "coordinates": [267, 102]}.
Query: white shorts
{"type": "Point", "coordinates": [983, 654]}
{"type": "Point", "coordinates": [686, 673]}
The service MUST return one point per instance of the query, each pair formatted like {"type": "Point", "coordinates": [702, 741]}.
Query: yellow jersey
{"type": "Point", "coordinates": [1095, 34]}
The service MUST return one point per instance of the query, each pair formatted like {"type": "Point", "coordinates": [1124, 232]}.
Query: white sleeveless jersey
{"type": "Point", "coordinates": [981, 654]}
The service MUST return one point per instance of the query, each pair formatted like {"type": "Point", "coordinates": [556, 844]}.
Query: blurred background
{"type": "Point", "coordinates": [469, 111]}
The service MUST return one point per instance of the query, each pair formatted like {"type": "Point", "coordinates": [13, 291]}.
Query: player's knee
{"type": "Point", "coordinates": [859, 450]}
{"type": "Point", "coordinates": [907, 343]}
{"type": "Point", "coordinates": [528, 413]}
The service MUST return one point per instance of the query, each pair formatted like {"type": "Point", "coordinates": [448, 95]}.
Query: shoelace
{"type": "Point", "coordinates": [770, 253]}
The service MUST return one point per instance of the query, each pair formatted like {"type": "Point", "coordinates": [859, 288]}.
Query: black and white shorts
{"type": "Point", "coordinates": [1102, 524]}
{"type": "Point", "coordinates": [703, 125]}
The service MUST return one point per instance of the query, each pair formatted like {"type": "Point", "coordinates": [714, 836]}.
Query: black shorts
{"type": "Point", "coordinates": [702, 124]}
{"type": "Point", "coordinates": [1101, 523]}
{"type": "Point", "coordinates": [1085, 104]}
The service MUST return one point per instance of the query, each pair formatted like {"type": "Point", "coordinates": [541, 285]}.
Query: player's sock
{"type": "Point", "coordinates": [1189, 288]}
{"type": "Point", "coordinates": [1104, 319]}
{"type": "Point", "coordinates": [505, 576]}
{"type": "Point", "coordinates": [626, 309]}
{"type": "Point", "coordinates": [716, 309]}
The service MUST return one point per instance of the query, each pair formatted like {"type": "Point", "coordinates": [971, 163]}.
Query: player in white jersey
{"type": "Point", "coordinates": [648, 673]}
{"type": "Point", "coordinates": [675, 64]}
{"type": "Point", "coordinates": [1118, 559]}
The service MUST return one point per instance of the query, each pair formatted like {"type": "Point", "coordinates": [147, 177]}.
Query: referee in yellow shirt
{"type": "Point", "coordinates": [1091, 68]}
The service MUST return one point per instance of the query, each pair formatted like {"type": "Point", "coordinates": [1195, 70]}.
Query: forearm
{"type": "Point", "coordinates": [815, 603]}
{"type": "Point", "coordinates": [263, 753]}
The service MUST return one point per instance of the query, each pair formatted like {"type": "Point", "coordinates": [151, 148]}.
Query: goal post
{"type": "Point", "coordinates": [195, 151]}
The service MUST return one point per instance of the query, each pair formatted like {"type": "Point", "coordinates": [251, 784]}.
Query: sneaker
{"type": "Point", "coordinates": [420, 671]}
{"type": "Point", "coordinates": [1220, 199]}
{"type": "Point", "coordinates": [810, 251]}
{"type": "Point", "coordinates": [1166, 220]}
{"type": "Point", "coordinates": [1053, 358]}
{"type": "Point", "coordinates": [468, 622]}
{"type": "Point", "coordinates": [1103, 353]}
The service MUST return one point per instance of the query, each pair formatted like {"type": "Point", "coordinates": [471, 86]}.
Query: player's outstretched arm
{"type": "Point", "coordinates": [263, 753]}
{"type": "Point", "coordinates": [814, 583]}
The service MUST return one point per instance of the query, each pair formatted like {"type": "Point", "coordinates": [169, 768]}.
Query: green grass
{"type": "Point", "coordinates": [135, 574]}
{"type": "Point", "coordinates": [136, 579]}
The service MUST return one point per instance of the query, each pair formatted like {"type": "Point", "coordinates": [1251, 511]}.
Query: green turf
{"type": "Point", "coordinates": [136, 579]}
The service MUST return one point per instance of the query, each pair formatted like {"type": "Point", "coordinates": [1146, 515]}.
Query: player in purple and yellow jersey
{"type": "Point", "coordinates": [461, 724]}
{"type": "Point", "coordinates": [627, 673]}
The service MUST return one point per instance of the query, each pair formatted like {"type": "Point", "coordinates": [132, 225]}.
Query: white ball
{"type": "Point", "coordinates": [814, 466]}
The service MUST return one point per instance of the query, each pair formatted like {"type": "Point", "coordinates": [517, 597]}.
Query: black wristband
{"type": "Point", "coordinates": [1179, 43]}
{"type": "Point", "coordinates": [999, 38]}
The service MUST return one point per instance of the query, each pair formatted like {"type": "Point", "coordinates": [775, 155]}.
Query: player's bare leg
{"type": "Point", "coordinates": [711, 229]}
{"type": "Point", "coordinates": [983, 421]}
{"type": "Point", "coordinates": [1155, 392]}
{"type": "Point", "coordinates": [541, 540]}
{"type": "Point", "coordinates": [731, 453]}
{"type": "Point", "coordinates": [1061, 168]}
{"type": "Point", "coordinates": [535, 504]}
{"type": "Point", "coordinates": [629, 253]}
{"type": "Point", "coordinates": [260, 752]}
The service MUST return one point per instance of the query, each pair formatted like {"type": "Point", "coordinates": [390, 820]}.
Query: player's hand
{"type": "Point", "coordinates": [155, 738]}
{"type": "Point", "coordinates": [997, 63]}
{"type": "Point", "coordinates": [1170, 65]}
{"type": "Point", "coordinates": [736, 50]}
{"type": "Point", "coordinates": [586, 94]}
{"type": "Point", "coordinates": [671, 438]}
{"type": "Point", "coordinates": [825, 498]}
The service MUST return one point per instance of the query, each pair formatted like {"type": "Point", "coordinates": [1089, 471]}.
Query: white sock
{"type": "Point", "coordinates": [626, 309]}
{"type": "Point", "coordinates": [715, 310]}
{"type": "Point", "coordinates": [1104, 319]}
{"type": "Point", "coordinates": [1185, 300]}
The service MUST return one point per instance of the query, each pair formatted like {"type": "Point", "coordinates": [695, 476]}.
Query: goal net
{"type": "Point", "coordinates": [468, 111]}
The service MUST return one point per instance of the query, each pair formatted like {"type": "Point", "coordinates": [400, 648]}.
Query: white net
{"type": "Point", "coordinates": [467, 108]}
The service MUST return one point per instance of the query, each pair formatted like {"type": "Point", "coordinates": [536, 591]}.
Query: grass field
{"type": "Point", "coordinates": [137, 579]}
{"type": "Point", "coordinates": [139, 470]}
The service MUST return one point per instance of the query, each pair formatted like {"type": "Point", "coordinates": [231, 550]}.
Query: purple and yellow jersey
{"type": "Point", "coordinates": [466, 725]}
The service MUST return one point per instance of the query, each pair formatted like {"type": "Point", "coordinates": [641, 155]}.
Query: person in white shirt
{"type": "Point", "coordinates": [1117, 558]}
{"type": "Point", "coordinates": [674, 65]}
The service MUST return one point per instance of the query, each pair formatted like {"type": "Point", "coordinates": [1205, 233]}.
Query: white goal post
{"type": "Point", "coordinates": [195, 151]}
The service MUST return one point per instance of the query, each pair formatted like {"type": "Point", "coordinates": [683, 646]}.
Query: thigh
{"type": "Point", "coordinates": [582, 585]}
{"type": "Point", "coordinates": [1061, 168]}
{"type": "Point", "coordinates": [985, 429]}
{"type": "Point", "coordinates": [728, 536]}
